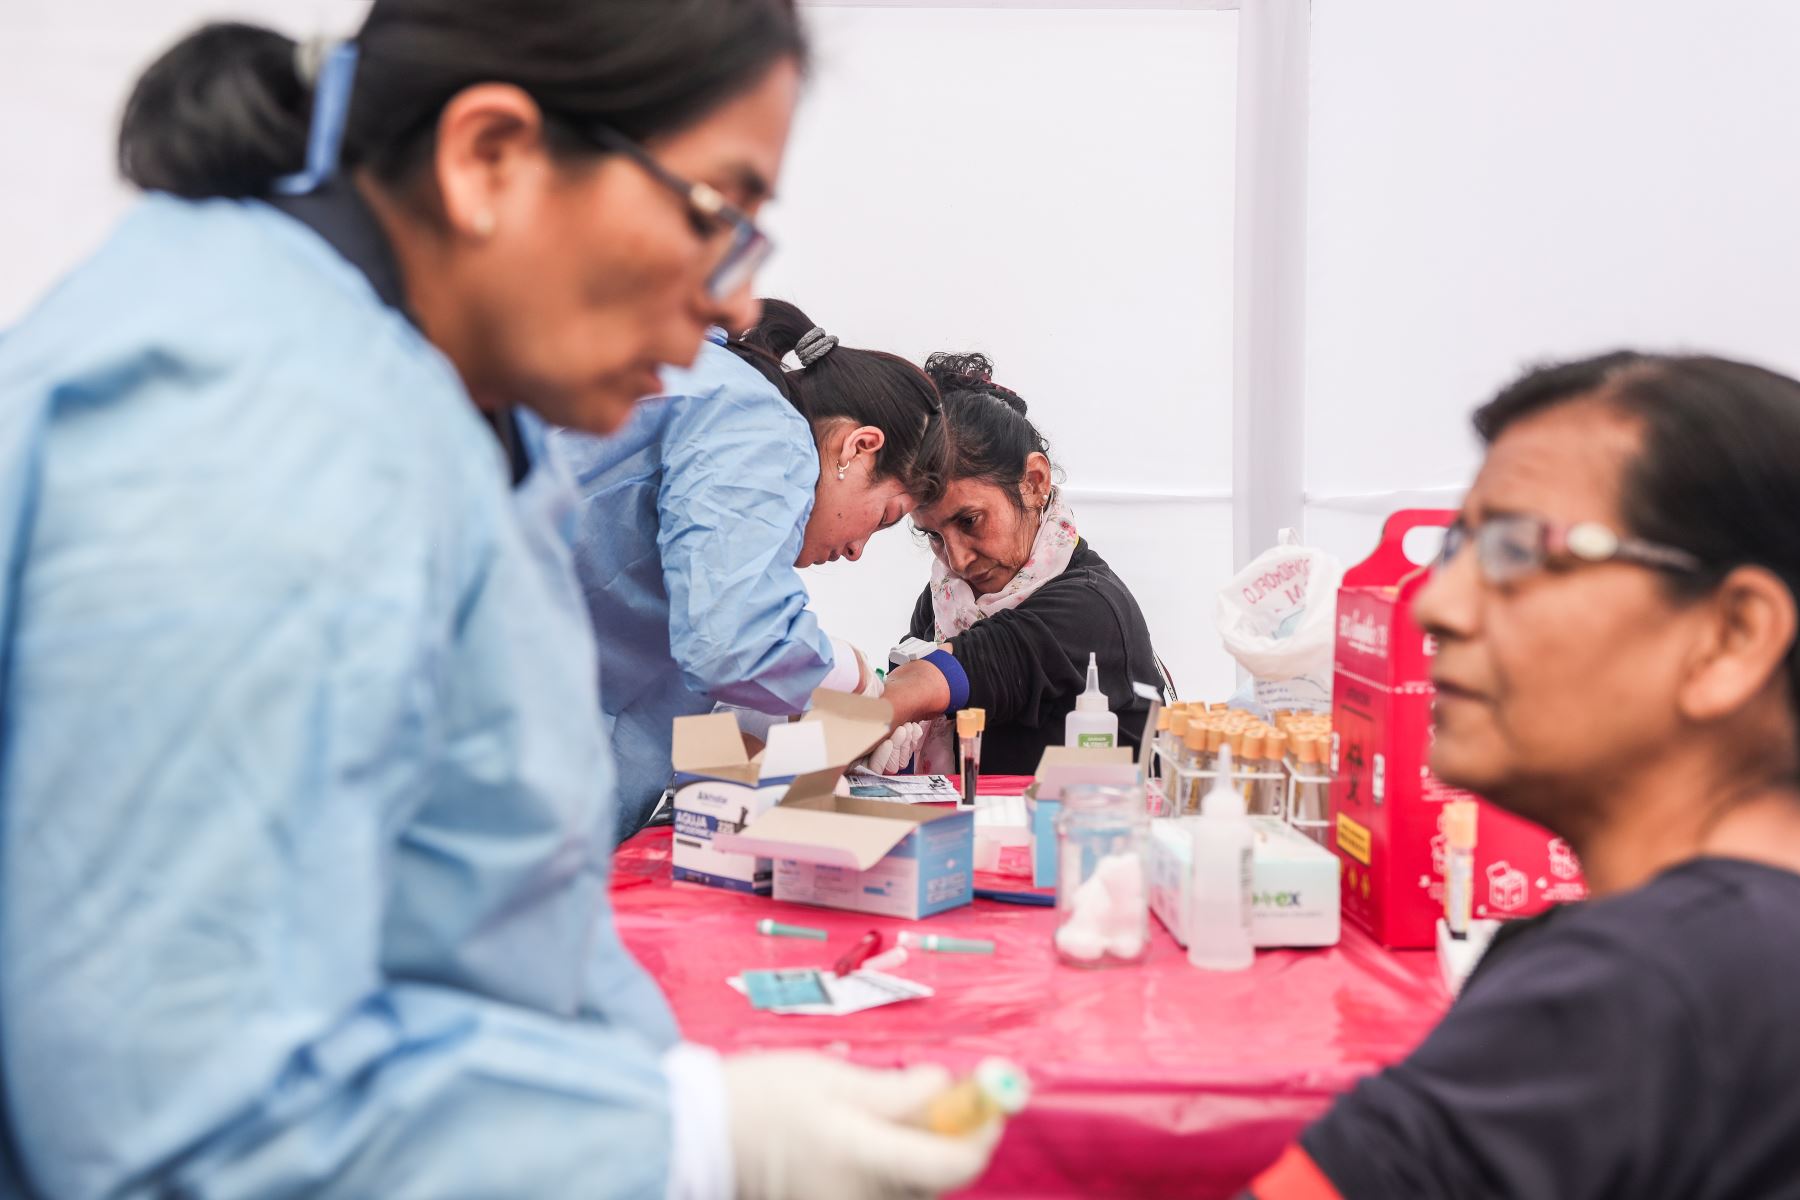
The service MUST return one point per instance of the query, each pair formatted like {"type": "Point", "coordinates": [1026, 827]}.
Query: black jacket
{"type": "Point", "coordinates": [1026, 665]}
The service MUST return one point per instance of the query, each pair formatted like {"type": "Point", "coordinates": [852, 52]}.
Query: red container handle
{"type": "Point", "coordinates": [1388, 563]}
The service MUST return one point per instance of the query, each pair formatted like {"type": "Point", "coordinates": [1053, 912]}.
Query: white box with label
{"type": "Point", "coordinates": [1294, 883]}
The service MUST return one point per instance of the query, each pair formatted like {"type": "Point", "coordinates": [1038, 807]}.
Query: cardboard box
{"type": "Point", "coordinates": [1064, 767]}
{"type": "Point", "coordinates": [720, 789]}
{"type": "Point", "coordinates": [1385, 803]}
{"type": "Point", "coordinates": [873, 856]}
{"type": "Point", "coordinates": [1294, 883]}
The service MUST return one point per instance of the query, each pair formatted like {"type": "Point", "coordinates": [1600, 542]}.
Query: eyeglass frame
{"type": "Point", "coordinates": [750, 247]}
{"type": "Point", "coordinates": [1576, 544]}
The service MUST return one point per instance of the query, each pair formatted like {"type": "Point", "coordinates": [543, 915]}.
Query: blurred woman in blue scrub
{"type": "Point", "coordinates": [307, 819]}
{"type": "Point", "coordinates": [698, 514]}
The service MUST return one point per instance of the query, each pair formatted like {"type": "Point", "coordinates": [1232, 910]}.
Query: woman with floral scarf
{"type": "Point", "coordinates": [1017, 599]}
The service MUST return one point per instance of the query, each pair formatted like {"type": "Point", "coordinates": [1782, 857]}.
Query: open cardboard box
{"type": "Point", "coordinates": [873, 856]}
{"type": "Point", "coordinates": [720, 788]}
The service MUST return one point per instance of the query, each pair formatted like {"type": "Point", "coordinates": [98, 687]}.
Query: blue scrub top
{"type": "Point", "coordinates": [691, 519]}
{"type": "Point", "coordinates": [305, 818]}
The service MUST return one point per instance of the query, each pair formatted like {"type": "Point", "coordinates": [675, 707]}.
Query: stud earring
{"type": "Point", "coordinates": [484, 224]}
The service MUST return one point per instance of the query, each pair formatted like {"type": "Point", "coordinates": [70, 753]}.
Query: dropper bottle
{"type": "Point", "coordinates": [1090, 725]}
{"type": "Point", "coordinates": [1218, 916]}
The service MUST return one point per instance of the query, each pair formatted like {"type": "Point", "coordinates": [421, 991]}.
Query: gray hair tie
{"type": "Point", "coordinates": [816, 344]}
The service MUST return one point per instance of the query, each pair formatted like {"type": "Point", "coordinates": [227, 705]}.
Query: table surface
{"type": "Point", "coordinates": [1150, 1080]}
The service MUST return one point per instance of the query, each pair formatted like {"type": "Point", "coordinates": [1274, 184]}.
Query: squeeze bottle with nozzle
{"type": "Point", "coordinates": [1090, 724]}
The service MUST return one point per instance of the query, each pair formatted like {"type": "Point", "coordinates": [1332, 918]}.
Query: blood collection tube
{"type": "Point", "coordinates": [1459, 865]}
{"type": "Point", "coordinates": [969, 724]}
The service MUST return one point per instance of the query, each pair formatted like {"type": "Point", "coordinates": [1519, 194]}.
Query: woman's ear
{"type": "Point", "coordinates": [1748, 633]}
{"type": "Point", "coordinates": [487, 134]}
{"type": "Point", "coordinates": [864, 439]}
{"type": "Point", "coordinates": [1035, 482]}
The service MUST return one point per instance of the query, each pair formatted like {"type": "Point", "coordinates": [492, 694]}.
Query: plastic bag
{"type": "Point", "coordinates": [1276, 619]}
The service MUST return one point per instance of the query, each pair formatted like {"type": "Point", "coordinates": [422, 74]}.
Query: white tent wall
{"type": "Point", "coordinates": [1053, 187]}
{"type": "Point", "coordinates": [1493, 184]}
{"type": "Point", "coordinates": [66, 67]}
{"type": "Point", "coordinates": [1055, 184]}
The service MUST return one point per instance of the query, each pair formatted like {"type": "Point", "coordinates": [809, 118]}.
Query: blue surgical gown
{"type": "Point", "coordinates": [305, 819]}
{"type": "Point", "coordinates": [691, 519]}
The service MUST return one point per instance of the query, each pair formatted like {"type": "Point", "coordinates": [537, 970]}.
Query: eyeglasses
{"type": "Point", "coordinates": [1511, 547]}
{"type": "Point", "coordinates": [709, 211]}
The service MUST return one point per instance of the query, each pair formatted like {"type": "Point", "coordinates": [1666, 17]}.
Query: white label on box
{"type": "Point", "coordinates": [703, 810]}
{"type": "Point", "coordinates": [890, 888]}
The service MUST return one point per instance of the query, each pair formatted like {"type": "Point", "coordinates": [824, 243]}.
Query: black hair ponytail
{"type": "Point", "coordinates": [223, 113]}
{"type": "Point", "coordinates": [866, 387]}
{"type": "Point", "coordinates": [226, 112]}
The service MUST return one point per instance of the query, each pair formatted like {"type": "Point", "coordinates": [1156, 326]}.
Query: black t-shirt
{"type": "Point", "coordinates": [1027, 664]}
{"type": "Point", "coordinates": [1641, 1047]}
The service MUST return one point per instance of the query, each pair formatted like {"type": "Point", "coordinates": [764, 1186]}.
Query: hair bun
{"type": "Point", "coordinates": [971, 372]}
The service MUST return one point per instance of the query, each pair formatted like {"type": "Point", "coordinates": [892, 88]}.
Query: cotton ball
{"type": "Point", "coordinates": [1080, 942]}
{"type": "Point", "coordinates": [1127, 943]}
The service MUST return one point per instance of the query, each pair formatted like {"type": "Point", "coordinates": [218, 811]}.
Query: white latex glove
{"type": "Point", "coordinates": [809, 1127]}
{"type": "Point", "coordinates": [891, 757]}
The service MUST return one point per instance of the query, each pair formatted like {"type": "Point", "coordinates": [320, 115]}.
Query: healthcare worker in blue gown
{"type": "Point", "coordinates": [696, 517]}
{"type": "Point", "coordinates": [307, 820]}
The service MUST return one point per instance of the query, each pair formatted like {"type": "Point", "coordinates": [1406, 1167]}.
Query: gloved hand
{"type": "Point", "coordinates": [809, 1127]}
{"type": "Point", "coordinates": [891, 757]}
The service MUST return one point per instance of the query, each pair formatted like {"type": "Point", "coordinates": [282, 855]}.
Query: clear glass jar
{"type": "Point", "coordinates": [1102, 877]}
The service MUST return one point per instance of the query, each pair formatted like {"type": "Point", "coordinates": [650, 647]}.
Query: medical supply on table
{"type": "Point", "coordinates": [1295, 901]}
{"type": "Point", "coordinates": [1159, 746]}
{"type": "Point", "coordinates": [1386, 804]}
{"type": "Point", "coordinates": [769, 928]}
{"type": "Point", "coordinates": [887, 960]}
{"type": "Point", "coordinates": [1102, 889]}
{"type": "Point", "coordinates": [1062, 768]}
{"type": "Point", "coordinates": [875, 856]}
{"type": "Point", "coordinates": [1031, 899]}
{"type": "Point", "coordinates": [1309, 786]}
{"type": "Point", "coordinates": [1091, 725]}
{"type": "Point", "coordinates": [1459, 865]}
{"type": "Point", "coordinates": [903, 789]}
{"type": "Point", "coordinates": [938, 943]}
{"type": "Point", "coordinates": [784, 989]}
{"type": "Point", "coordinates": [825, 994]}
{"type": "Point", "coordinates": [720, 789]}
{"type": "Point", "coordinates": [865, 948]}
{"type": "Point", "coordinates": [996, 1088]}
{"type": "Point", "coordinates": [1174, 751]}
{"type": "Point", "coordinates": [1220, 904]}
{"type": "Point", "coordinates": [969, 724]}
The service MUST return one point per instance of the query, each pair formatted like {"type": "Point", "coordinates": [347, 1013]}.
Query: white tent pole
{"type": "Point", "coordinates": [1268, 450]}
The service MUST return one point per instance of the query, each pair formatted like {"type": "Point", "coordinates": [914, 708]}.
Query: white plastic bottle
{"type": "Point", "coordinates": [1218, 916]}
{"type": "Point", "coordinates": [1090, 724]}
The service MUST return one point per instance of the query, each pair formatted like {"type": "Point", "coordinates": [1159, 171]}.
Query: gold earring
{"type": "Point", "coordinates": [842, 467]}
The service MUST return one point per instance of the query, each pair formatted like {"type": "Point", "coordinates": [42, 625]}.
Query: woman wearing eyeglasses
{"type": "Point", "coordinates": [698, 514]}
{"type": "Point", "coordinates": [307, 815]}
{"type": "Point", "coordinates": [1615, 619]}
